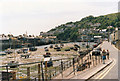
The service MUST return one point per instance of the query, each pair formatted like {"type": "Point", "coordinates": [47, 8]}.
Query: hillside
{"type": "Point", "coordinates": [69, 31]}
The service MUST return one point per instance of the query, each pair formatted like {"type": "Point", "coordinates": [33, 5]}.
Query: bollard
{"type": "Point", "coordinates": [28, 72]}
{"type": "Point", "coordinates": [38, 72]}
{"type": "Point", "coordinates": [14, 75]}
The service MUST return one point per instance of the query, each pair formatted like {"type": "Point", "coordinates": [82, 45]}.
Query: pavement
{"type": "Point", "coordinates": [87, 73]}
{"type": "Point", "coordinates": [111, 72]}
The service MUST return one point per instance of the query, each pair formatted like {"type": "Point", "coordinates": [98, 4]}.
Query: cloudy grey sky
{"type": "Point", "coordinates": [34, 16]}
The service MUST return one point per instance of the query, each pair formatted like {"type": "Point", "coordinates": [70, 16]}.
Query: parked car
{"type": "Point", "coordinates": [49, 62]}
{"type": "Point", "coordinates": [94, 46]}
{"type": "Point", "coordinates": [96, 53]}
{"type": "Point", "coordinates": [99, 49]}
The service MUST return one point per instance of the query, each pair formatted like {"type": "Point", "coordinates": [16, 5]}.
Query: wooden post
{"type": "Point", "coordinates": [28, 72]}
{"type": "Point", "coordinates": [67, 64]}
{"type": "Point", "coordinates": [55, 70]}
{"type": "Point", "coordinates": [88, 62]}
{"type": "Point", "coordinates": [7, 73]}
{"type": "Point", "coordinates": [82, 60]}
{"type": "Point", "coordinates": [99, 59]}
{"type": "Point", "coordinates": [42, 71]}
{"type": "Point", "coordinates": [61, 68]}
{"type": "Point", "coordinates": [46, 70]}
{"type": "Point", "coordinates": [14, 75]}
{"type": "Point", "coordinates": [78, 61]}
{"type": "Point", "coordinates": [74, 65]}
{"type": "Point", "coordinates": [38, 72]}
{"type": "Point", "coordinates": [64, 65]}
{"type": "Point", "coordinates": [96, 59]}
{"type": "Point", "coordinates": [93, 60]}
{"type": "Point", "coordinates": [50, 74]}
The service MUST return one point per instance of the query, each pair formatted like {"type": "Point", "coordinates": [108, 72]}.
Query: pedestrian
{"type": "Point", "coordinates": [107, 54]}
{"type": "Point", "coordinates": [104, 56]}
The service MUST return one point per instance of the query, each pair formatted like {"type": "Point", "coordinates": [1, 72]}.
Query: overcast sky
{"type": "Point", "coordinates": [34, 16]}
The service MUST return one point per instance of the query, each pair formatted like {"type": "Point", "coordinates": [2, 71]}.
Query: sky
{"type": "Point", "coordinates": [34, 16]}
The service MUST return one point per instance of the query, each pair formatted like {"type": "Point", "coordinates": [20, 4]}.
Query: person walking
{"type": "Point", "coordinates": [104, 56]}
{"type": "Point", "coordinates": [107, 54]}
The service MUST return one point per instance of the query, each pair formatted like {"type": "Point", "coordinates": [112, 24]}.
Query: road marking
{"type": "Point", "coordinates": [108, 70]}
{"type": "Point", "coordinates": [103, 74]}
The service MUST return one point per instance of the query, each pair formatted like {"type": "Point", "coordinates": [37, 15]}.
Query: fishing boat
{"type": "Point", "coordinates": [19, 51]}
{"type": "Point", "coordinates": [8, 51]}
{"type": "Point", "coordinates": [13, 64]}
{"type": "Point", "coordinates": [2, 53]}
{"type": "Point", "coordinates": [32, 49]}
{"type": "Point", "coordinates": [47, 55]}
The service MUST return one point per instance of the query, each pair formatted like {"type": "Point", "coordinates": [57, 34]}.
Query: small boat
{"type": "Point", "coordinates": [47, 55]}
{"type": "Point", "coordinates": [25, 50]}
{"type": "Point", "coordinates": [51, 46]}
{"type": "Point", "coordinates": [26, 55]}
{"type": "Point", "coordinates": [2, 53]}
{"type": "Point", "coordinates": [20, 51]}
{"type": "Point", "coordinates": [32, 49]}
{"type": "Point", "coordinates": [12, 64]}
{"type": "Point", "coordinates": [8, 51]}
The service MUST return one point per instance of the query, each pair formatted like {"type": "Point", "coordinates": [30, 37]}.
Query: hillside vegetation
{"type": "Point", "coordinates": [69, 31]}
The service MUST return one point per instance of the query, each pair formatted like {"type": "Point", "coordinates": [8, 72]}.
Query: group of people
{"type": "Point", "coordinates": [104, 55]}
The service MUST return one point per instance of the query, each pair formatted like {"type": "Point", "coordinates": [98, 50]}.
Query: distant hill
{"type": "Point", "coordinates": [69, 31]}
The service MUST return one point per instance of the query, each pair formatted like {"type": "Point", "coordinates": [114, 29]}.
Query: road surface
{"type": "Point", "coordinates": [111, 72]}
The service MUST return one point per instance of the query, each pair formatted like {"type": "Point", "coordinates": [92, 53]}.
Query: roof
{"type": "Point", "coordinates": [97, 36]}
{"type": "Point", "coordinates": [47, 59]}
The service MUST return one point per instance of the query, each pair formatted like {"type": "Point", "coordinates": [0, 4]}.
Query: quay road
{"type": "Point", "coordinates": [112, 71]}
